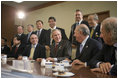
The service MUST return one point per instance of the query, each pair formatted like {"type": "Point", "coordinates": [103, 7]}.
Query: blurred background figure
{"type": "Point", "coordinates": [4, 48]}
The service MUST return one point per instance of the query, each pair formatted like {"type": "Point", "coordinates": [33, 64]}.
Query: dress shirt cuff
{"type": "Point", "coordinates": [55, 59]}
{"type": "Point", "coordinates": [85, 64]}
{"type": "Point", "coordinates": [97, 65]}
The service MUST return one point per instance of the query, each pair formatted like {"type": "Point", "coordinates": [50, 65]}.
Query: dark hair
{"type": "Point", "coordinates": [30, 25]}
{"type": "Point", "coordinates": [39, 21]}
{"type": "Point", "coordinates": [20, 26]}
{"type": "Point", "coordinates": [4, 39]}
{"type": "Point", "coordinates": [52, 18]}
{"type": "Point", "coordinates": [78, 10]}
{"type": "Point", "coordinates": [17, 37]}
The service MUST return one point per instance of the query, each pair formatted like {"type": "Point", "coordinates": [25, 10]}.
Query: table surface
{"type": "Point", "coordinates": [79, 71]}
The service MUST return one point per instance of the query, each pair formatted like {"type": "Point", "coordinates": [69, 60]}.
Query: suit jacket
{"type": "Point", "coordinates": [39, 51]}
{"type": "Point", "coordinates": [23, 39]}
{"type": "Point", "coordinates": [72, 37]}
{"type": "Point", "coordinates": [5, 50]}
{"type": "Point", "coordinates": [28, 39]}
{"type": "Point", "coordinates": [96, 33]}
{"type": "Point", "coordinates": [19, 51]}
{"type": "Point", "coordinates": [106, 55]}
{"type": "Point", "coordinates": [113, 70]}
{"type": "Point", "coordinates": [42, 37]}
{"type": "Point", "coordinates": [64, 37]}
{"type": "Point", "coordinates": [90, 49]}
{"type": "Point", "coordinates": [64, 50]}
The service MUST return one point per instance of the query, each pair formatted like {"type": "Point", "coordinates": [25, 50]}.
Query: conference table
{"type": "Point", "coordinates": [41, 72]}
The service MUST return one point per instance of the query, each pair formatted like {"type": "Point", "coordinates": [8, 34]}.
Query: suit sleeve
{"type": "Point", "coordinates": [99, 57]}
{"type": "Point", "coordinates": [113, 70]}
{"type": "Point", "coordinates": [43, 52]}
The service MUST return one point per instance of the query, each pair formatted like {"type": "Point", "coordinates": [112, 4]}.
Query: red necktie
{"type": "Point", "coordinates": [56, 47]}
{"type": "Point", "coordinates": [16, 49]}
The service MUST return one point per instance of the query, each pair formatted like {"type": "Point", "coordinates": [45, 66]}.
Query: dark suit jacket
{"type": "Point", "coordinates": [64, 37]}
{"type": "Point", "coordinates": [96, 33]}
{"type": "Point", "coordinates": [72, 37]}
{"type": "Point", "coordinates": [106, 55]}
{"type": "Point", "coordinates": [64, 50]}
{"type": "Point", "coordinates": [113, 70]}
{"type": "Point", "coordinates": [19, 51]}
{"type": "Point", "coordinates": [42, 37]}
{"type": "Point", "coordinates": [90, 49]}
{"type": "Point", "coordinates": [5, 50]}
{"type": "Point", "coordinates": [23, 39]}
{"type": "Point", "coordinates": [38, 53]}
{"type": "Point", "coordinates": [28, 40]}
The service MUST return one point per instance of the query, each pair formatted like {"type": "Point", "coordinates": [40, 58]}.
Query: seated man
{"type": "Point", "coordinates": [60, 49]}
{"type": "Point", "coordinates": [17, 48]}
{"type": "Point", "coordinates": [106, 60]}
{"type": "Point", "coordinates": [4, 48]}
{"type": "Point", "coordinates": [34, 50]}
{"type": "Point", "coordinates": [87, 47]}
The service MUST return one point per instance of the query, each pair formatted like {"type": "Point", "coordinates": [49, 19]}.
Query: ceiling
{"type": "Point", "coordinates": [25, 5]}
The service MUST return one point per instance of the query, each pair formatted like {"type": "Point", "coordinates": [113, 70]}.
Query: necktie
{"type": "Point", "coordinates": [92, 31]}
{"type": "Point", "coordinates": [16, 49]}
{"type": "Point", "coordinates": [81, 47]}
{"type": "Point", "coordinates": [56, 48]}
{"type": "Point", "coordinates": [31, 52]}
{"type": "Point", "coordinates": [39, 33]}
{"type": "Point", "coordinates": [28, 37]}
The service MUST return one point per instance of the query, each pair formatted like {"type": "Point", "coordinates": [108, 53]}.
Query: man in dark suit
{"type": "Point", "coordinates": [87, 48]}
{"type": "Point", "coordinates": [106, 60]}
{"type": "Point", "coordinates": [60, 49]}
{"type": "Point", "coordinates": [94, 27]}
{"type": "Point", "coordinates": [52, 24]}
{"type": "Point", "coordinates": [30, 29]}
{"type": "Point", "coordinates": [17, 48]}
{"type": "Point", "coordinates": [4, 48]}
{"type": "Point", "coordinates": [20, 30]}
{"type": "Point", "coordinates": [34, 50]}
{"type": "Point", "coordinates": [78, 20]}
{"type": "Point", "coordinates": [41, 33]}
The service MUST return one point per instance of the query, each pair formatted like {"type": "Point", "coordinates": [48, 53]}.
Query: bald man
{"type": "Point", "coordinates": [87, 47]}
{"type": "Point", "coordinates": [34, 50]}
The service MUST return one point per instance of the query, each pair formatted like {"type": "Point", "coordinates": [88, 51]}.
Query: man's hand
{"type": "Point", "coordinates": [96, 70]}
{"type": "Point", "coordinates": [47, 47]}
{"type": "Point", "coordinates": [51, 59]}
{"type": "Point", "coordinates": [78, 62]}
{"type": "Point", "coordinates": [39, 59]}
{"type": "Point", "coordinates": [20, 58]}
{"type": "Point", "coordinates": [105, 67]}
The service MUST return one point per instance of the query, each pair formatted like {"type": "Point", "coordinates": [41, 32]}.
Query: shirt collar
{"type": "Point", "coordinates": [34, 45]}
{"type": "Point", "coordinates": [53, 28]}
{"type": "Point", "coordinates": [83, 42]}
{"type": "Point", "coordinates": [95, 26]}
{"type": "Point", "coordinates": [18, 45]}
{"type": "Point", "coordinates": [40, 30]}
{"type": "Point", "coordinates": [115, 45]}
{"type": "Point", "coordinates": [19, 34]}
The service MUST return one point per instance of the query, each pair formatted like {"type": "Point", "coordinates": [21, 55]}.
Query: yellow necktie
{"type": "Point", "coordinates": [92, 31]}
{"type": "Point", "coordinates": [32, 52]}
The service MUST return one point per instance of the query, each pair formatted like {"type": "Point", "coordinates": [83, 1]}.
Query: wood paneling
{"type": "Point", "coordinates": [8, 28]}
{"type": "Point", "coordinates": [101, 15]}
